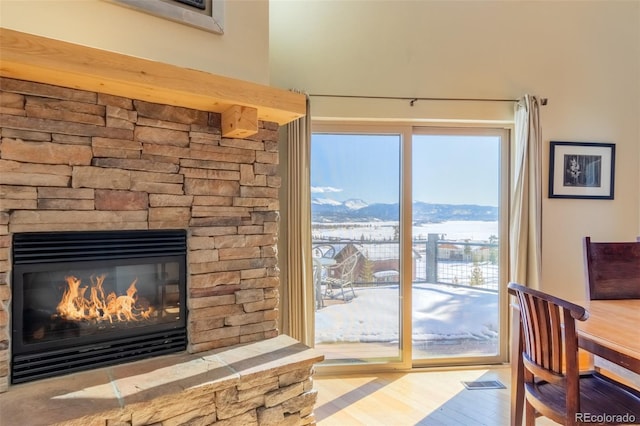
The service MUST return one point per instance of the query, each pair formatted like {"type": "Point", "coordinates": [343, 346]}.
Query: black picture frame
{"type": "Point", "coordinates": [582, 170]}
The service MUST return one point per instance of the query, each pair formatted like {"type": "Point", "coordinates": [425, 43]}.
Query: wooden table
{"type": "Point", "coordinates": [612, 331]}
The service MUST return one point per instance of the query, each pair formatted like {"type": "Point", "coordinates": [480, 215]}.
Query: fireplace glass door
{"type": "Point", "coordinates": [82, 300]}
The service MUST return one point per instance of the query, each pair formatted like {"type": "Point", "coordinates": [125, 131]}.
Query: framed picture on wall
{"type": "Point", "coordinates": [581, 170]}
{"type": "Point", "coordinates": [206, 15]}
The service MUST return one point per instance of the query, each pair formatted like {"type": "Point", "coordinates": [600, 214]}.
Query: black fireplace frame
{"type": "Point", "coordinates": [39, 251]}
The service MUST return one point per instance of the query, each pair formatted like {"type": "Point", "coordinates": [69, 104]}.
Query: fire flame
{"type": "Point", "coordinates": [75, 305]}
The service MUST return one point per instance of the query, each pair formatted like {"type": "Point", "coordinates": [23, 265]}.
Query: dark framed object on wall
{"type": "Point", "coordinates": [581, 170]}
{"type": "Point", "coordinates": [206, 15]}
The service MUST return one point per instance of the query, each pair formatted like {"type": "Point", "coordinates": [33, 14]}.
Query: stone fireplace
{"type": "Point", "coordinates": [73, 159]}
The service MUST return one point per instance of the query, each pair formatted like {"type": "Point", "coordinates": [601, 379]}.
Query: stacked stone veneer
{"type": "Point", "coordinates": [266, 383]}
{"type": "Point", "coordinates": [73, 160]}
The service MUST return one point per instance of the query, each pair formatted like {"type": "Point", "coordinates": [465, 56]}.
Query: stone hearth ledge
{"type": "Point", "coordinates": [260, 383]}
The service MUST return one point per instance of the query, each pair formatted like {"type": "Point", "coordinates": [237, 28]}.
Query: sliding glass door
{"type": "Point", "coordinates": [409, 242]}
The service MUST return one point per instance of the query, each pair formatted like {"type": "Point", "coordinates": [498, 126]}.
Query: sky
{"type": "Point", "coordinates": [446, 169]}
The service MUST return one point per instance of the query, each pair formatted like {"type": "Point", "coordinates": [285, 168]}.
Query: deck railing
{"type": "Point", "coordinates": [434, 260]}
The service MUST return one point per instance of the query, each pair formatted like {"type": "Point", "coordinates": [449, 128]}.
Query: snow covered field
{"type": "Point", "coordinates": [440, 312]}
{"type": "Point", "coordinates": [453, 230]}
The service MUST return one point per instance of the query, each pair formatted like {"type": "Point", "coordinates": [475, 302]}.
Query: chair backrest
{"type": "Point", "coordinates": [346, 269]}
{"type": "Point", "coordinates": [612, 269]}
{"type": "Point", "coordinates": [550, 343]}
{"type": "Point", "coordinates": [323, 250]}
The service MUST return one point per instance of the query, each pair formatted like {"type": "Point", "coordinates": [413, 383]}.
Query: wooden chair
{"type": "Point", "coordinates": [340, 276]}
{"type": "Point", "coordinates": [553, 385]}
{"type": "Point", "coordinates": [612, 269]}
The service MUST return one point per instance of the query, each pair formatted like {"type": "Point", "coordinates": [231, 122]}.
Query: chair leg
{"type": "Point", "coordinates": [327, 290]}
{"type": "Point", "coordinates": [352, 291]}
{"type": "Point", "coordinates": [529, 414]}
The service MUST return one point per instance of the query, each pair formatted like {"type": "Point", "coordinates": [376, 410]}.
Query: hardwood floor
{"type": "Point", "coordinates": [427, 398]}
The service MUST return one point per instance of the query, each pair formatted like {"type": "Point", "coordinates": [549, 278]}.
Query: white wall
{"type": "Point", "coordinates": [242, 52]}
{"type": "Point", "coordinates": [583, 56]}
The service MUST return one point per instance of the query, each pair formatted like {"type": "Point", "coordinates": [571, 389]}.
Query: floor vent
{"type": "Point", "coordinates": [489, 384]}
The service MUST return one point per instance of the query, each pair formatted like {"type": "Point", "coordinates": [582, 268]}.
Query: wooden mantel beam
{"type": "Point", "coordinates": [43, 60]}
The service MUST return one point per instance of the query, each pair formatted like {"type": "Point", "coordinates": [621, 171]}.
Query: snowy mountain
{"type": "Point", "coordinates": [354, 210]}
{"type": "Point", "coordinates": [355, 204]}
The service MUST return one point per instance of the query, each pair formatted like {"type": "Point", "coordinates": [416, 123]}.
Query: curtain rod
{"type": "Point", "coordinates": [413, 100]}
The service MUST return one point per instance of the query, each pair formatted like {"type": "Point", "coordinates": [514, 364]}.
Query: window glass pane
{"type": "Point", "coordinates": [455, 291]}
{"type": "Point", "coordinates": [355, 181]}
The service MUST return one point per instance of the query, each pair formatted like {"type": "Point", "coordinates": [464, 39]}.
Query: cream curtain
{"type": "Point", "coordinates": [297, 308]}
{"type": "Point", "coordinates": [525, 249]}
